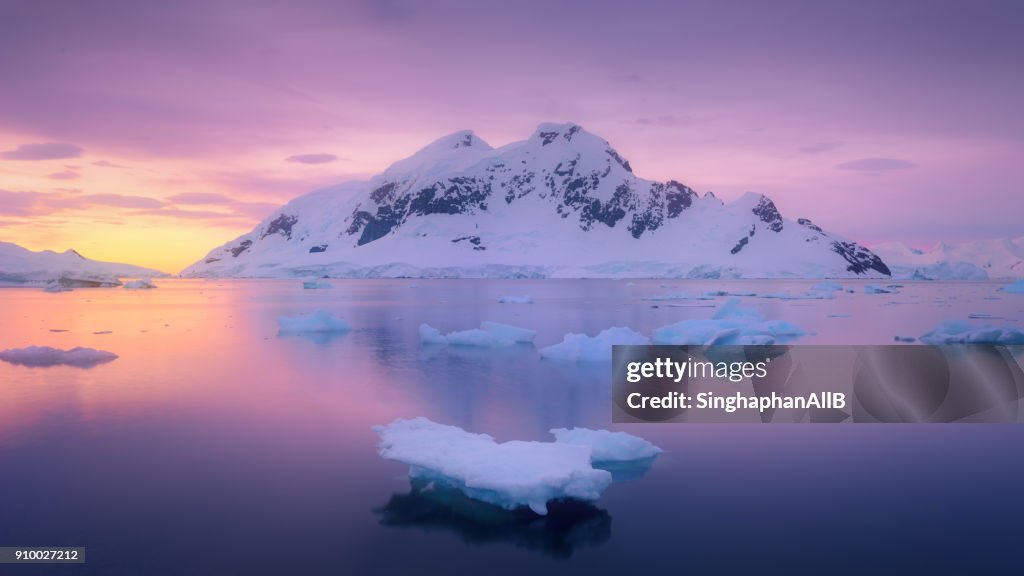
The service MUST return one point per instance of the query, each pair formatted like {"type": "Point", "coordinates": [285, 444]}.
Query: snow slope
{"type": "Point", "coordinates": [19, 265]}
{"type": "Point", "coordinates": [978, 260]}
{"type": "Point", "coordinates": [562, 203]}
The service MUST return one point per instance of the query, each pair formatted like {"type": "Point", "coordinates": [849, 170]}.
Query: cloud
{"type": "Point", "coordinates": [106, 164]}
{"type": "Point", "coordinates": [190, 214]}
{"type": "Point", "coordinates": [120, 200]}
{"type": "Point", "coordinates": [311, 158]}
{"type": "Point", "coordinates": [876, 164]}
{"type": "Point", "coordinates": [200, 198]}
{"type": "Point", "coordinates": [31, 203]}
{"type": "Point", "coordinates": [64, 175]}
{"type": "Point", "coordinates": [43, 151]}
{"type": "Point", "coordinates": [819, 147]}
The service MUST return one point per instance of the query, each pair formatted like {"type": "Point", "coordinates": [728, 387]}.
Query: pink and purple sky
{"type": "Point", "coordinates": [150, 132]}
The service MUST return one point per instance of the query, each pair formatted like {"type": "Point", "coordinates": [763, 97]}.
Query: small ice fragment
{"type": "Point", "coordinates": [140, 284]}
{"type": "Point", "coordinates": [873, 289]}
{"type": "Point", "coordinates": [317, 284]}
{"type": "Point", "coordinates": [317, 321]}
{"type": "Point", "coordinates": [607, 446]}
{"type": "Point", "coordinates": [45, 356]}
{"type": "Point", "coordinates": [583, 348]}
{"type": "Point", "coordinates": [515, 300]}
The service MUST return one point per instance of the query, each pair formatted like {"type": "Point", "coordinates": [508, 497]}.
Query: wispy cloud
{"type": "Point", "coordinates": [819, 147]}
{"type": "Point", "coordinates": [876, 164]}
{"type": "Point", "coordinates": [43, 151]}
{"type": "Point", "coordinates": [64, 175]}
{"type": "Point", "coordinates": [312, 158]}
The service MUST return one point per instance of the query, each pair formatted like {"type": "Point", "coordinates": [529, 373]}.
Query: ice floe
{"type": "Point", "coordinates": [962, 332]}
{"type": "Point", "coordinates": [319, 321]}
{"type": "Point", "coordinates": [489, 335]}
{"type": "Point", "coordinates": [140, 284]}
{"type": "Point", "coordinates": [607, 446]}
{"type": "Point", "coordinates": [317, 284]}
{"type": "Point", "coordinates": [507, 474]}
{"type": "Point", "coordinates": [515, 300]}
{"type": "Point", "coordinates": [730, 325]}
{"type": "Point", "coordinates": [583, 348]}
{"type": "Point", "coordinates": [516, 473]}
{"type": "Point", "coordinates": [874, 289]}
{"type": "Point", "coordinates": [45, 356]}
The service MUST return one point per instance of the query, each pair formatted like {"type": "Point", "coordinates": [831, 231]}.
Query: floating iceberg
{"type": "Point", "coordinates": [45, 356]}
{"type": "Point", "coordinates": [961, 332]}
{"type": "Point", "coordinates": [583, 348]}
{"type": "Point", "coordinates": [873, 289]}
{"type": "Point", "coordinates": [140, 284]}
{"type": "Point", "coordinates": [489, 335]}
{"type": "Point", "coordinates": [318, 321]}
{"type": "Point", "coordinates": [607, 446]}
{"type": "Point", "coordinates": [515, 300]}
{"type": "Point", "coordinates": [730, 325]}
{"type": "Point", "coordinates": [507, 474]}
{"type": "Point", "coordinates": [1015, 288]}
{"type": "Point", "coordinates": [317, 284]}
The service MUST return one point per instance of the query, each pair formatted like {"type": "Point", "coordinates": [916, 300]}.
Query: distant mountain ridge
{"type": "Point", "coordinates": [19, 265]}
{"type": "Point", "coordinates": [993, 259]}
{"type": "Point", "coordinates": [562, 203]}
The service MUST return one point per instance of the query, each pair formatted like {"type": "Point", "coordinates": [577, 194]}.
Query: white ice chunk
{"type": "Point", "coordinates": [810, 295]}
{"type": "Point", "coordinates": [583, 348]}
{"type": "Point", "coordinates": [318, 321]}
{"type": "Point", "coordinates": [730, 325]}
{"type": "Point", "coordinates": [507, 474]}
{"type": "Point", "coordinates": [681, 296]}
{"type": "Point", "coordinates": [45, 356]}
{"type": "Point", "coordinates": [1015, 288]}
{"type": "Point", "coordinates": [961, 332]}
{"type": "Point", "coordinates": [607, 446]}
{"type": "Point", "coordinates": [873, 289]}
{"type": "Point", "coordinates": [515, 300]}
{"type": "Point", "coordinates": [489, 335]}
{"type": "Point", "coordinates": [140, 284]}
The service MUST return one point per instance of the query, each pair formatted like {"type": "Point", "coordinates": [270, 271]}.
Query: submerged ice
{"type": "Point", "coordinates": [583, 348]}
{"type": "Point", "coordinates": [510, 474]}
{"type": "Point", "coordinates": [317, 321]}
{"type": "Point", "coordinates": [489, 335]}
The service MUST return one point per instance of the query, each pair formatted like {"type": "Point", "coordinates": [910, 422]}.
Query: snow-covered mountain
{"type": "Point", "coordinates": [562, 203]}
{"type": "Point", "coordinates": [978, 260]}
{"type": "Point", "coordinates": [19, 265]}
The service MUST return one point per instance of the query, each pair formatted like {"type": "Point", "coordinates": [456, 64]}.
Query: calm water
{"type": "Point", "coordinates": [214, 446]}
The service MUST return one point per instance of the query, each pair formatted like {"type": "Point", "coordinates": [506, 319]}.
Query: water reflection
{"type": "Point", "coordinates": [568, 525]}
